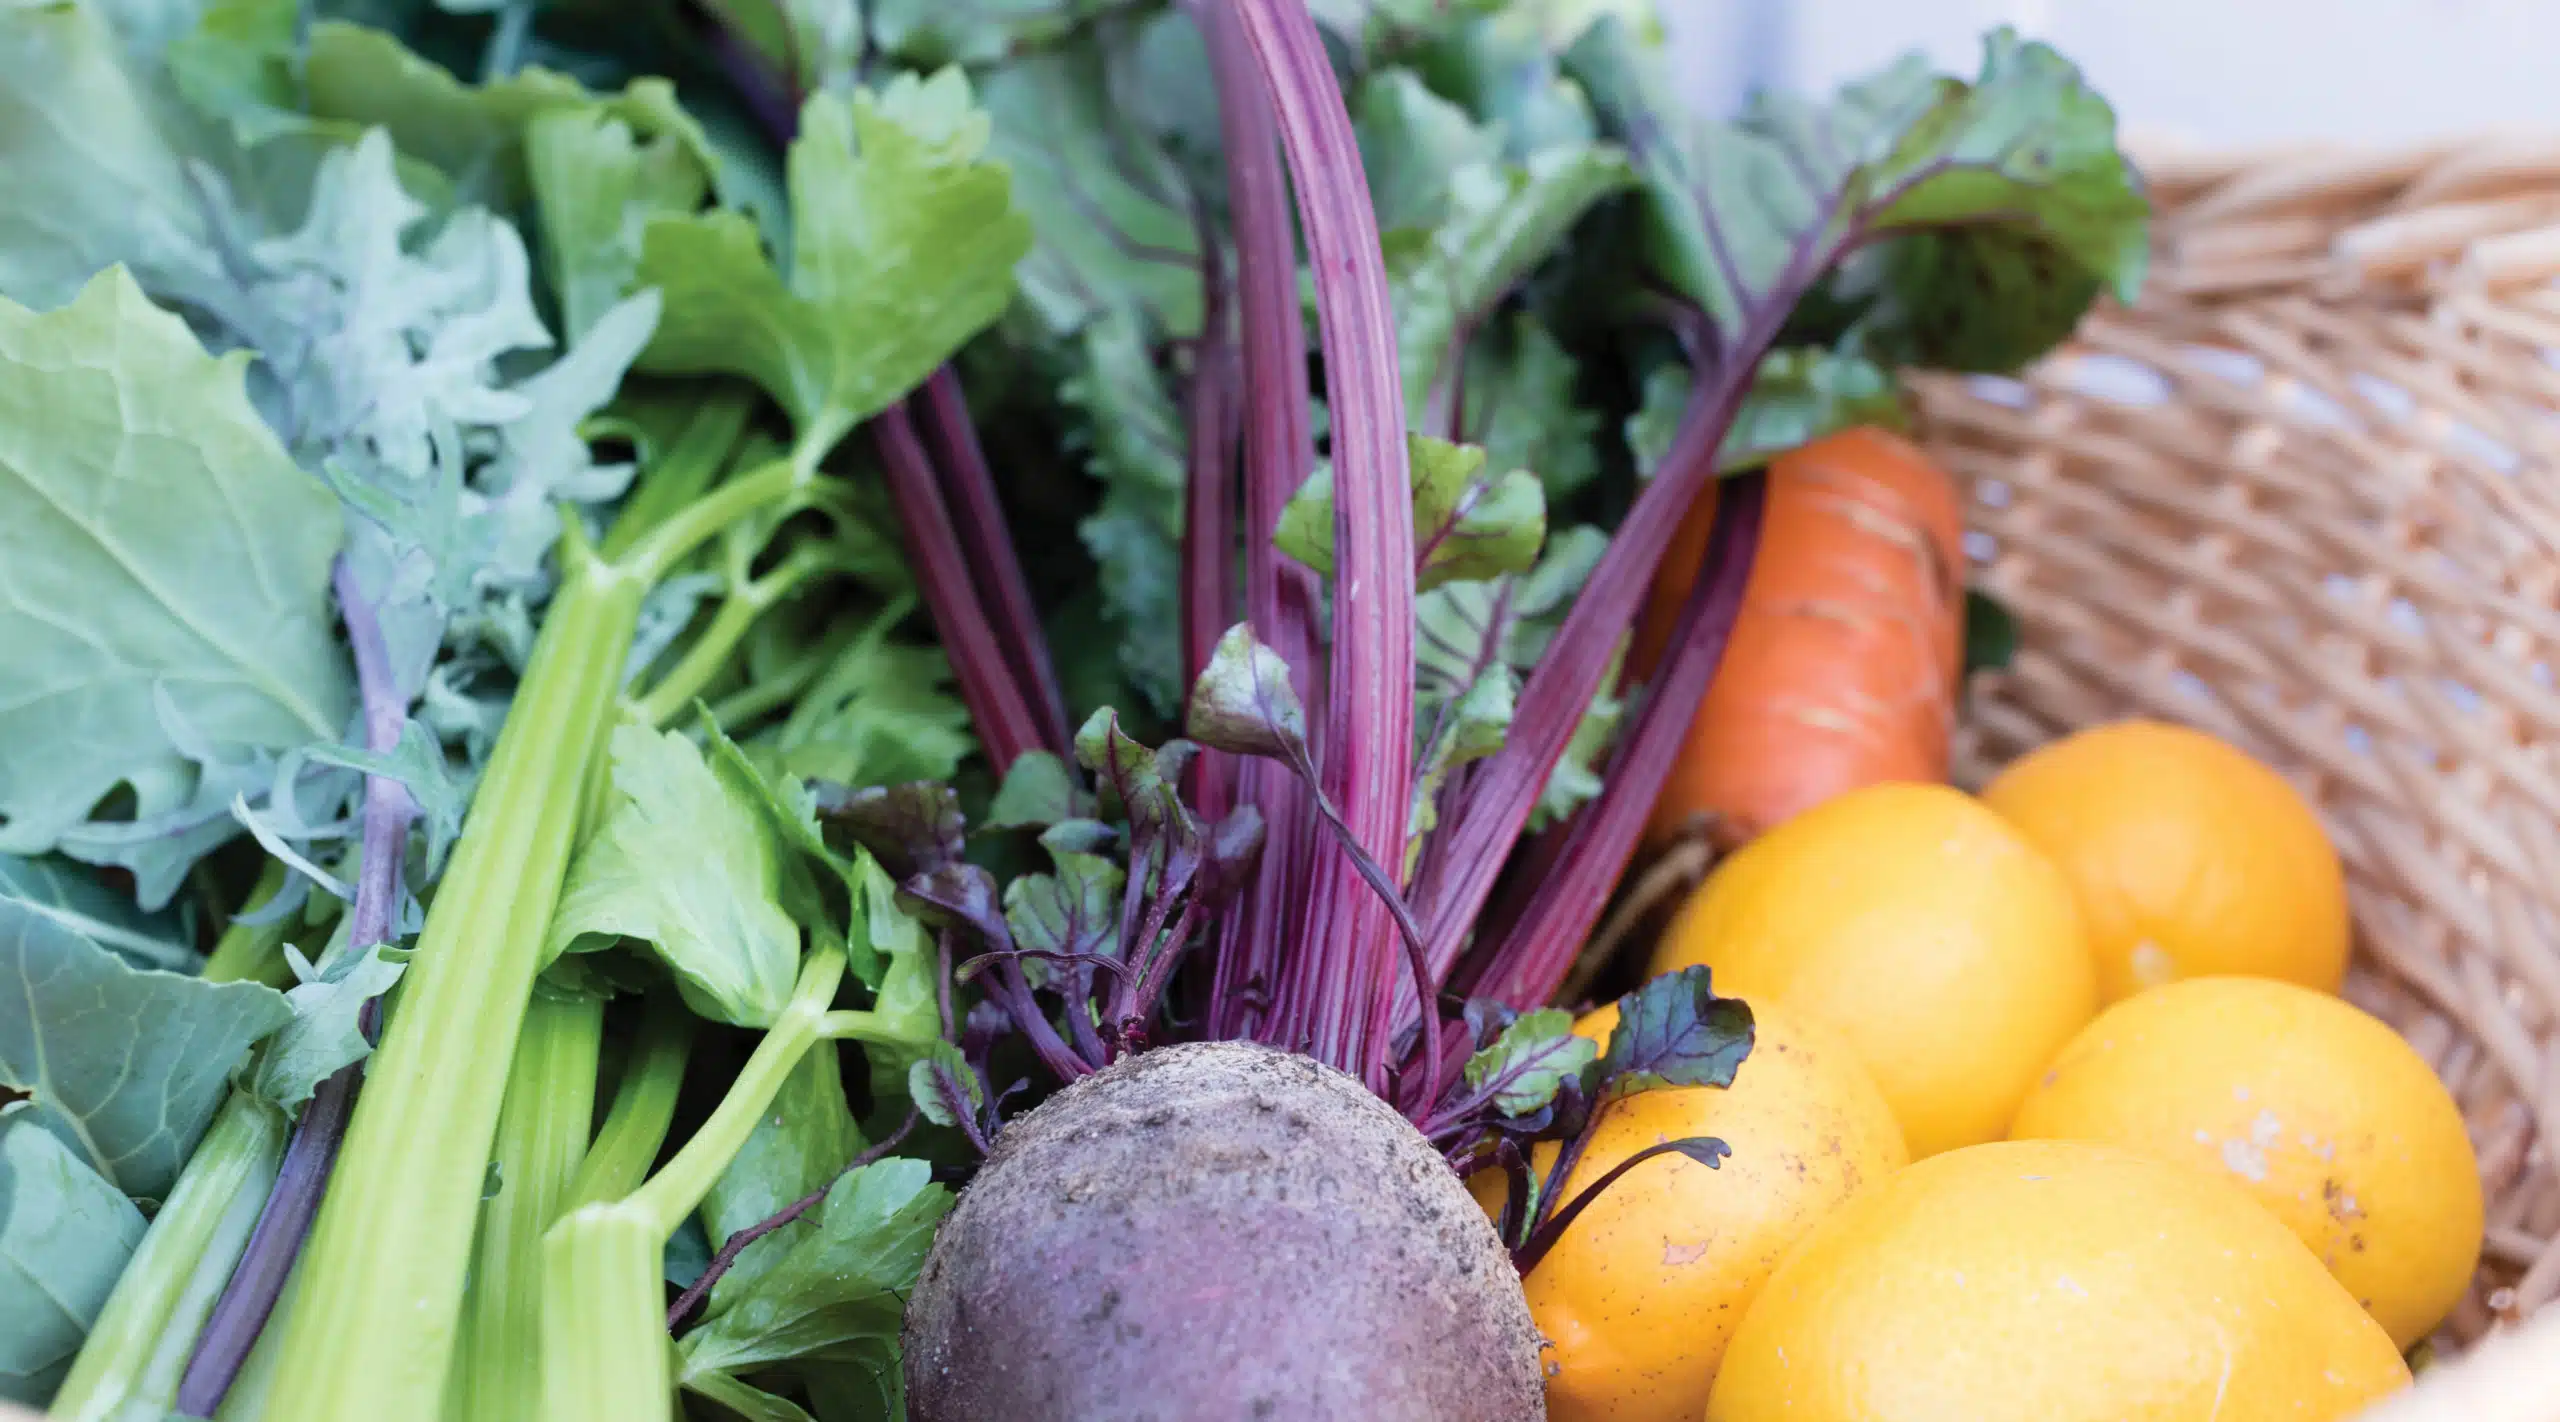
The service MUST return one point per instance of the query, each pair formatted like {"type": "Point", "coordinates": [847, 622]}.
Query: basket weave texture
{"type": "Point", "coordinates": [2305, 494]}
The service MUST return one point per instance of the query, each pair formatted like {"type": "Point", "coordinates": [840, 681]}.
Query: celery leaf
{"type": "Point", "coordinates": [684, 860]}
{"type": "Point", "coordinates": [842, 1286]}
{"type": "Point", "coordinates": [155, 542]}
{"type": "Point", "coordinates": [125, 1065]}
{"type": "Point", "coordinates": [904, 241]}
{"type": "Point", "coordinates": [882, 713]}
{"type": "Point", "coordinates": [598, 182]}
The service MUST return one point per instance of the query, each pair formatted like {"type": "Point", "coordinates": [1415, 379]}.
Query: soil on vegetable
{"type": "Point", "coordinates": [1211, 1231]}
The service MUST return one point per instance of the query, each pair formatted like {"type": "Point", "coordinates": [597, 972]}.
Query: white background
{"type": "Point", "coordinates": [2225, 72]}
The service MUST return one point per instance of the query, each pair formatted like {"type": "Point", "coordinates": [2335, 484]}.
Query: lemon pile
{"type": "Point", "coordinates": [2054, 1114]}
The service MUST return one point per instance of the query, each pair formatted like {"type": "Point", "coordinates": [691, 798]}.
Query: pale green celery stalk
{"type": "Point", "coordinates": [685, 469]}
{"type": "Point", "coordinates": [383, 1272]}
{"type": "Point", "coordinates": [644, 1103]}
{"type": "Point", "coordinates": [128, 1370]}
{"type": "Point", "coordinates": [718, 642]}
{"type": "Point", "coordinates": [542, 1142]}
{"type": "Point", "coordinates": [605, 1351]}
{"type": "Point", "coordinates": [254, 952]}
{"type": "Point", "coordinates": [677, 1189]}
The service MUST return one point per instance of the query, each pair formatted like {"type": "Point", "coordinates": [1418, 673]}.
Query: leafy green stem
{"type": "Point", "coordinates": [254, 952]}
{"type": "Point", "coordinates": [678, 1187]}
{"type": "Point", "coordinates": [604, 1353]}
{"type": "Point", "coordinates": [712, 650]}
{"type": "Point", "coordinates": [644, 1104]}
{"type": "Point", "coordinates": [772, 487]}
{"type": "Point", "coordinates": [383, 1279]}
{"type": "Point", "coordinates": [542, 1140]}
{"type": "Point", "coordinates": [137, 1349]}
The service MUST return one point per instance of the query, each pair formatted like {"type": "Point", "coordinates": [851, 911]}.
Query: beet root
{"type": "Point", "coordinates": [1218, 1230]}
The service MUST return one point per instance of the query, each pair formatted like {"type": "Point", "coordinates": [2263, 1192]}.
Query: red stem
{"type": "Point", "coordinates": [1349, 940]}
{"type": "Point", "coordinates": [987, 544]}
{"type": "Point", "coordinates": [1279, 450]}
{"type": "Point", "coordinates": [1506, 787]}
{"type": "Point", "coordinates": [1005, 723]}
{"type": "Point", "coordinates": [1536, 952]}
{"type": "Point", "coordinates": [1209, 527]}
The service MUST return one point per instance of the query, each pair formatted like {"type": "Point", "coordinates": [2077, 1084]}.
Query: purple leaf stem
{"type": "Point", "coordinates": [1347, 943]}
{"type": "Point", "coordinates": [987, 543]}
{"type": "Point", "coordinates": [1209, 527]}
{"type": "Point", "coordinates": [1506, 786]}
{"type": "Point", "coordinates": [1278, 450]}
{"type": "Point", "coordinates": [1536, 947]}
{"type": "Point", "coordinates": [1005, 722]}
{"type": "Point", "coordinates": [247, 1300]}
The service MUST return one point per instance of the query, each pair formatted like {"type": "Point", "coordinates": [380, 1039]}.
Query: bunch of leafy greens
{"type": "Point", "coordinates": [524, 511]}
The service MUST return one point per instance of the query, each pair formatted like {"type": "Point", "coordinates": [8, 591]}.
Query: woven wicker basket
{"type": "Point", "coordinates": [2306, 495]}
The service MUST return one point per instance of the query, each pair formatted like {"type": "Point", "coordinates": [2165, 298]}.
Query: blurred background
{"type": "Point", "coordinates": [2219, 72]}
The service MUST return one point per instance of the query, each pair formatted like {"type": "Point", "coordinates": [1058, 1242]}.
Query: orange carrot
{"type": "Point", "coordinates": [1842, 667]}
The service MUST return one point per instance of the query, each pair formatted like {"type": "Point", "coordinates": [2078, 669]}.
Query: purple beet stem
{"type": "Point", "coordinates": [1537, 948]}
{"type": "Point", "coordinates": [1279, 450]}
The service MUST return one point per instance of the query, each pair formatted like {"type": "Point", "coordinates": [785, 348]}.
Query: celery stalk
{"type": "Point", "coordinates": [137, 1350]}
{"type": "Point", "coordinates": [542, 1141]}
{"type": "Point", "coordinates": [644, 1103]}
{"type": "Point", "coordinates": [605, 1351]}
{"type": "Point", "coordinates": [254, 952]}
{"type": "Point", "coordinates": [677, 1189]}
{"type": "Point", "coordinates": [383, 1276]}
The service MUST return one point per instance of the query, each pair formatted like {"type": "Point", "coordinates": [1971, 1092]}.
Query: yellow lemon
{"type": "Point", "coordinates": [2190, 858]}
{"type": "Point", "coordinates": [1924, 928]}
{"type": "Point", "coordinates": [1644, 1288]}
{"type": "Point", "coordinates": [2053, 1281]}
{"type": "Point", "coordinates": [2340, 1129]}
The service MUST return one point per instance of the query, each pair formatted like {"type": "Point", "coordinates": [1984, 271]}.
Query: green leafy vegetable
{"type": "Point", "coordinates": [1990, 632]}
{"type": "Point", "coordinates": [839, 1291]}
{"type": "Point", "coordinates": [2007, 179]}
{"type": "Point", "coordinates": [324, 1034]}
{"type": "Point", "coordinates": [91, 180]}
{"type": "Point", "coordinates": [155, 542]}
{"type": "Point", "coordinates": [65, 1234]}
{"type": "Point", "coordinates": [684, 860]}
{"type": "Point", "coordinates": [1533, 1057]}
{"type": "Point", "coordinates": [598, 183]}
{"type": "Point", "coordinates": [1467, 525]}
{"type": "Point", "coordinates": [71, 898]}
{"type": "Point", "coordinates": [876, 184]}
{"type": "Point", "coordinates": [124, 1065]}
